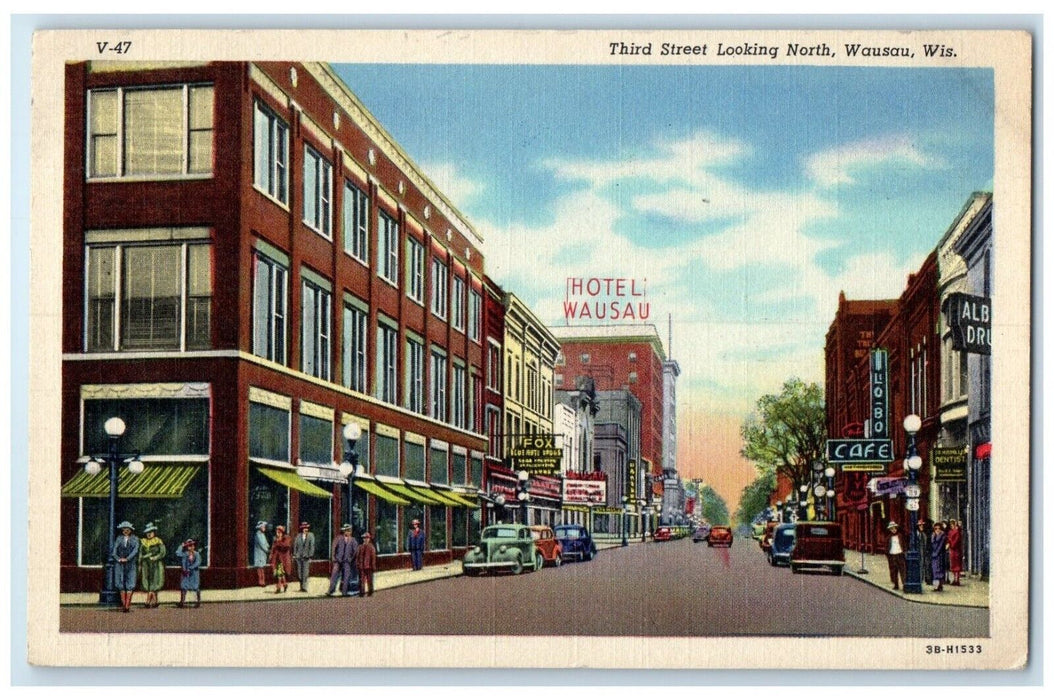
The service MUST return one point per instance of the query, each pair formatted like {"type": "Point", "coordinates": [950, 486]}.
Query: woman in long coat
{"type": "Point", "coordinates": [190, 563]}
{"type": "Point", "coordinates": [125, 558]}
{"type": "Point", "coordinates": [925, 565]}
{"type": "Point", "coordinates": [281, 558]}
{"type": "Point", "coordinates": [261, 552]}
{"type": "Point", "coordinates": [955, 551]}
{"type": "Point", "coordinates": [151, 564]}
{"type": "Point", "coordinates": [938, 543]}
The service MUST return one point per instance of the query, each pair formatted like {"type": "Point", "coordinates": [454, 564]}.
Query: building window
{"type": "Point", "coordinates": [439, 465]}
{"type": "Point", "coordinates": [493, 367]}
{"type": "Point", "coordinates": [269, 308]}
{"type": "Point", "coordinates": [388, 248]}
{"type": "Point", "coordinates": [356, 223]}
{"type": "Point", "coordinates": [493, 432]}
{"type": "Point", "coordinates": [964, 372]}
{"type": "Point", "coordinates": [438, 376]}
{"type": "Point", "coordinates": [476, 471]}
{"type": "Point", "coordinates": [145, 132]}
{"type": "Point", "coordinates": [415, 270]}
{"type": "Point", "coordinates": [437, 540]}
{"type": "Point", "coordinates": [584, 358]}
{"type": "Point", "coordinates": [560, 359]}
{"type": "Point", "coordinates": [386, 456]}
{"type": "Point", "coordinates": [164, 302]}
{"type": "Point", "coordinates": [387, 350]}
{"type": "Point", "coordinates": [632, 377]}
{"type": "Point", "coordinates": [458, 319]}
{"type": "Point", "coordinates": [475, 315]}
{"type": "Point", "coordinates": [457, 398]}
{"type": "Point", "coordinates": [415, 367]}
{"type": "Point", "coordinates": [318, 192]}
{"type": "Point", "coordinates": [532, 387]}
{"type": "Point", "coordinates": [633, 357]}
{"type": "Point", "coordinates": [354, 360]}
{"type": "Point", "coordinates": [475, 398]}
{"type": "Point", "coordinates": [440, 288]}
{"type": "Point", "coordinates": [315, 331]}
{"type": "Point", "coordinates": [270, 153]}
{"type": "Point", "coordinates": [415, 461]}
{"type": "Point", "coordinates": [316, 440]}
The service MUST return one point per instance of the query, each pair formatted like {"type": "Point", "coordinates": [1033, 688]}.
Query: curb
{"type": "Point", "coordinates": [911, 597]}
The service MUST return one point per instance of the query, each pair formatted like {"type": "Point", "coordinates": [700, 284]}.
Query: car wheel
{"type": "Point", "coordinates": [538, 562]}
{"type": "Point", "coordinates": [794, 568]}
{"type": "Point", "coordinates": [517, 565]}
{"type": "Point", "coordinates": [590, 554]}
{"type": "Point", "coordinates": [772, 560]}
{"type": "Point", "coordinates": [836, 570]}
{"type": "Point", "coordinates": [559, 559]}
{"type": "Point", "coordinates": [709, 544]}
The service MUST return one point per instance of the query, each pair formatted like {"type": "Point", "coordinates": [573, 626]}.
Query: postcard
{"type": "Point", "coordinates": [692, 349]}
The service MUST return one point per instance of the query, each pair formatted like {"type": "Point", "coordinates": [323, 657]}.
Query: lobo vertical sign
{"type": "Point", "coordinates": [879, 393]}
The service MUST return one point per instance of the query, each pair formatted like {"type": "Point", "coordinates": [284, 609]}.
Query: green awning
{"type": "Point", "coordinates": [413, 494]}
{"type": "Point", "coordinates": [443, 497]}
{"type": "Point", "coordinates": [461, 499]}
{"type": "Point", "coordinates": [379, 491]}
{"type": "Point", "coordinates": [167, 481]}
{"type": "Point", "coordinates": [294, 481]}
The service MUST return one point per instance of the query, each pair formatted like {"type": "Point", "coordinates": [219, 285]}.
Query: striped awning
{"type": "Point", "coordinates": [294, 481]}
{"type": "Point", "coordinates": [461, 499]}
{"type": "Point", "coordinates": [168, 481]}
{"type": "Point", "coordinates": [370, 486]}
{"type": "Point", "coordinates": [414, 494]}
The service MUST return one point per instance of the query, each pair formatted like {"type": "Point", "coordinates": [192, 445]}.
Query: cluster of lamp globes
{"type": "Point", "coordinates": [114, 427]}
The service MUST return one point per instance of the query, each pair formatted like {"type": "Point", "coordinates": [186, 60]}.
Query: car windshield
{"type": "Point", "coordinates": [784, 537]}
{"type": "Point", "coordinates": [499, 532]}
{"type": "Point", "coordinates": [568, 532]}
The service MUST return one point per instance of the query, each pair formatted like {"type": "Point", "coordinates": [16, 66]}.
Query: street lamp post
{"type": "Point", "coordinates": [350, 466]}
{"type": "Point", "coordinates": [803, 502]}
{"type": "Point", "coordinates": [625, 514]}
{"type": "Point", "coordinates": [829, 473]}
{"type": "Point", "coordinates": [643, 519]}
{"type": "Point", "coordinates": [523, 482]}
{"type": "Point", "coordinates": [779, 511]}
{"type": "Point", "coordinates": [114, 428]}
{"type": "Point", "coordinates": [912, 461]}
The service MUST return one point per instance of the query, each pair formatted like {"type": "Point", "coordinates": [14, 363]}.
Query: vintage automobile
{"type": "Point", "coordinates": [817, 544]}
{"type": "Point", "coordinates": [782, 544]}
{"type": "Point", "coordinates": [720, 535]}
{"type": "Point", "coordinates": [575, 542]}
{"type": "Point", "coordinates": [766, 538]}
{"type": "Point", "coordinates": [662, 534]}
{"type": "Point", "coordinates": [508, 547]}
{"type": "Point", "coordinates": [547, 545]}
{"type": "Point", "coordinates": [701, 533]}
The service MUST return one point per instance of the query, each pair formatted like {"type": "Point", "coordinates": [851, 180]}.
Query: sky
{"type": "Point", "coordinates": [747, 197]}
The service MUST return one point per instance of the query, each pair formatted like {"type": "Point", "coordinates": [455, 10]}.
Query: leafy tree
{"type": "Point", "coordinates": [755, 497]}
{"type": "Point", "coordinates": [787, 431]}
{"type": "Point", "coordinates": [712, 506]}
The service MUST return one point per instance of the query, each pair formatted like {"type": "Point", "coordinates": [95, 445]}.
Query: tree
{"type": "Point", "coordinates": [755, 497]}
{"type": "Point", "coordinates": [787, 431]}
{"type": "Point", "coordinates": [712, 506]}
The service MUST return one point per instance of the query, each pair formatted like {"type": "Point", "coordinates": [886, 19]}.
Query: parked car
{"type": "Point", "coordinates": [575, 542]}
{"type": "Point", "coordinates": [766, 537]}
{"type": "Point", "coordinates": [817, 544]}
{"type": "Point", "coordinates": [547, 545]}
{"type": "Point", "coordinates": [720, 535]}
{"type": "Point", "coordinates": [782, 544]}
{"type": "Point", "coordinates": [503, 548]}
{"type": "Point", "coordinates": [663, 534]}
{"type": "Point", "coordinates": [702, 533]}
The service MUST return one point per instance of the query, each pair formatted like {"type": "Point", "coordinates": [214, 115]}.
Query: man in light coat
{"type": "Point", "coordinates": [303, 552]}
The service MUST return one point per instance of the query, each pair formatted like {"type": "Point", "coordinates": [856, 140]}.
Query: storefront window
{"type": "Point", "coordinates": [153, 426]}
{"type": "Point", "coordinates": [268, 502]}
{"type": "Point", "coordinates": [387, 456]}
{"type": "Point", "coordinates": [460, 527]}
{"type": "Point", "coordinates": [439, 466]}
{"type": "Point", "coordinates": [316, 440]}
{"type": "Point", "coordinates": [360, 516]}
{"type": "Point", "coordinates": [474, 525]}
{"type": "Point", "coordinates": [437, 527]}
{"type": "Point", "coordinates": [460, 475]}
{"type": "Point", "coordinates": [476, 476]}
{"type": "Point", "coordinates": [415, 461]}
{"type": "Point", "coordinates": [410, 514]}
{"type": "Point", "coordinates": [268, 432]}
{"type": "Point", "coordinates": [318, 513]}
{"type": "Point", "coordinates": [387, 534]}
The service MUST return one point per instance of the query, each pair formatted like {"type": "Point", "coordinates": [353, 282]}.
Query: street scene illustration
{"type": "Point", "coordinates": [430, 349]}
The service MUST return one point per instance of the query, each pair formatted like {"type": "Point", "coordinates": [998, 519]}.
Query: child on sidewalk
{"type": "Point", "coordinates": [191, 579]}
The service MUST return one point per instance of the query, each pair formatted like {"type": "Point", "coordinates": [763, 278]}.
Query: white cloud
{"type": "Point", "coordinates": [458, 188]}
{"type": "Point", "coordinates": [835, 166]}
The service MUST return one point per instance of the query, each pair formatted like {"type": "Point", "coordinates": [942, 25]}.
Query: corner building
{"type": "Point", "coordinates": [251, 262]}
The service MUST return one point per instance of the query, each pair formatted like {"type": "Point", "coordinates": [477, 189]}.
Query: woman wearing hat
{"type": "Point", "coordinates": [955, 551]}
{"type": "Point", "coordinates": [261, 551]}
{"type": "Point", "coordinates": [151, 564]}
{"type": "Point", "coordinates": [415, 544]}
{"type": "Point", "coordinates": [938, 543]}
{"type": "Point", "coordinates": [125, 555]}
{"type": "Point", "coordinates": [281, 558]}
{"type": "Point", "coordinates": [190, 563]}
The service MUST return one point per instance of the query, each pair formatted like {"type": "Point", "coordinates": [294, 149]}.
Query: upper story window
{"type": "Point", "coordinates": [440, 288]}
{"type": "Point", "coordinates": [475, 315]}
{"type": "Point", "coordinates": [318, 192]}
{"type": "Point", "coordinates": [437, 370]}
{"type": "Point", "coordinates": [387, 360]}
{"type": "Point", "coordinates": [270, 153]}
{"type": "Point", "coordinates": [316, 326]}
{"type": "Point", "coordinates": [493, 366]}
{"type": "Point", "coordinates": [415, 270]}
{"type": "Point", "coordinates": [270, 294]}
{"type": "Point", "coordinates": [458, 317]}
{"type": "Point", "coordinates": [356, 223]}
{"type": "Point", "coordinates": [388, 248]}
{"type": "Point", "coordinates": [415, 371]}
{"type": "Point", "coordinates": [354, 359]}
{"type": "Point", "coordinates": [147, 295]}
{"type": "Point", "coordinates": [150, 132]}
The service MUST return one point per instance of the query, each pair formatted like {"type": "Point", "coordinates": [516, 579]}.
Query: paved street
{"type": "Point", "coordinates": [664, 589]}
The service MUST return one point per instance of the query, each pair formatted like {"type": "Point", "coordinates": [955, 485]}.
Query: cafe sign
{"type": "Point", "coordinates": [949, 464]}
{"type": "Point", "coordinates": [970, 320]}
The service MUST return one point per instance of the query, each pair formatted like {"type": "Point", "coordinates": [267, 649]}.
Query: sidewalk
{"type": "Point", "coordinates": [973, 593]}
{"type": "Point", "coordinates": [317, 586]}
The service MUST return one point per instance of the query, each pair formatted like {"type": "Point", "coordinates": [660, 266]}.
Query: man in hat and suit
{"type": "Point", "coordinates": [415, 544]}
{"type": "Point", "coordinates": [898, 563]}
{"type": "Point", "coordinates": [125, 557]}
{"type": "Point", "coordinates": [344, 550]}
{"type": "Point", "coordinates": [303, 552]}
{"type": "Point", "coordinates": [366, 561]}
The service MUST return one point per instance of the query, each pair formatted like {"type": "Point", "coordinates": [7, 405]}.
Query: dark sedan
{"type": "Point", "coordinates": [576, 542]}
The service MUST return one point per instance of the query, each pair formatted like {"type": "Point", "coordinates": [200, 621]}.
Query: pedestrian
{"type": "Point", "coordinates": [280, 560]}
{"type": "Point", "coordinates": [366, 562]}
{"type": "Point", "coordinates": [344, 550]}
{"type": "Point", "coordinates": [898, 565]}
{"type": "Point", "coordinates": [125, 555]}
{"type": "Point", "coordinates": [190, 563]}
{"type": "Point", "coordinates": [955, 551]}
{"type": "Point", "coordinates": [261, 552]}
{"type": "Point", "coordinates": [151, 564]}
{"type": "Point", "coordinates": [938, 547]}
{"type": "Point", "coordinates": [923, 533]}
{"type": "Point", "coordinates": [415, 544]}
{"type": "Point", "coordinates": [303, 553]}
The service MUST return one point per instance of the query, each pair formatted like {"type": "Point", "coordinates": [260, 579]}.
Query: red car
{"type": "Point", "coordinates": [766, 537]}
{"type": "Point", "coordinates": [818, 544]}
{"type": "Point", "coordinates": [663, 534]}
{"type": "Point", "coordinates": [547, 545]}
{"type": "Point", "coordinates": [720, 535]}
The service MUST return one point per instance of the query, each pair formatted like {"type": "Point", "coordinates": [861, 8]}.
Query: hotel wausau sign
{"type": "Point", "coordinates": [970, 320]}
{"type": "Point", "coordinates": [536, 454]}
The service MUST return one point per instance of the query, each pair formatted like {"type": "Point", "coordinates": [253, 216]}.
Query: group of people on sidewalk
{"type": "Point", "coordinates": [940, 554]}
{"type": "Point", "coordinates": [143, 559]}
